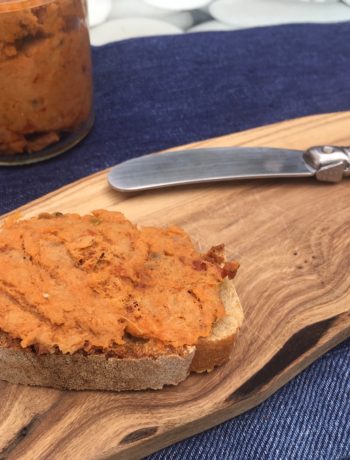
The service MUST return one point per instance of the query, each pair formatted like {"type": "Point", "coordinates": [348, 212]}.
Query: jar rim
{"type": "Point", "coordinates": [7, 6]}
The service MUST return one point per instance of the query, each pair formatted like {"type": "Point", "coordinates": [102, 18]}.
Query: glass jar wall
{"type": "Point", "coordinates": [45, 78]}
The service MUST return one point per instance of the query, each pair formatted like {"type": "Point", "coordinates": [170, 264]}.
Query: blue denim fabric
{"type": "Point", "coordinates": [160, 92]}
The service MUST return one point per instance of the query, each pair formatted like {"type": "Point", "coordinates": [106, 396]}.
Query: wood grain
{"type": "Point", "coordinates": [292, 239]}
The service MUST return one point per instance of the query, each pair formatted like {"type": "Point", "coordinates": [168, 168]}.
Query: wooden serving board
{"type": "Point", "coordinates": [293, 241]}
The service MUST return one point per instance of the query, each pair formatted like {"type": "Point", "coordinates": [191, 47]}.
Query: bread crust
{"type": "Point", "coordinates": [93, 372]}
{"type": "Point", "coordinates": [216, 349]}
{"type": "Point", "coordinates": [99, 372]}
{"type": "Point", "coordinates": [210, 354]}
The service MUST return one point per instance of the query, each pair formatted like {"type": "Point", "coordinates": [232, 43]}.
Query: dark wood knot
{"type": "Point", "coordinates": [139, 434]}
{"type": "Point", "coordinates": [298, 345]}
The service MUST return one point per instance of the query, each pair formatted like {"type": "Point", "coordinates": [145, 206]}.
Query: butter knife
{"type": "Point", "coordinates": [325, 163]}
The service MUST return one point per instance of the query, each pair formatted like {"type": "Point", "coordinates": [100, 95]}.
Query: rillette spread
{"type": "Point", "coordinates": [73, 283]}
{"type": "Point", "coordinates": [45, 74]}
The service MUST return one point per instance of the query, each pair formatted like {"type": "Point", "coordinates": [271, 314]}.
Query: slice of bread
{"type": "Point", "coordinates": [100, 372]}
{"type": "Point", "coordinates": [97, 303]}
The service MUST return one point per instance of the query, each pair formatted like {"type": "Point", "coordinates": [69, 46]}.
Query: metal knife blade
{"type": "Point", "coordinates": [327, 163]}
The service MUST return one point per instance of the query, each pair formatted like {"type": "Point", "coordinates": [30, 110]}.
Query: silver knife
{"type": "Point", "coordinates": [326, 163]}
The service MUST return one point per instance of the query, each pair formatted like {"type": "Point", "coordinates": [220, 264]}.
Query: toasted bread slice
{"type": "Point", "coordinates": [96, 302]}
{"type": "Point", "coordinates": [100, 372]}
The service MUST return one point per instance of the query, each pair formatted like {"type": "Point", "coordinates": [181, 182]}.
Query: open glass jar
{"type": "Point", "coordinates": [45, 78]}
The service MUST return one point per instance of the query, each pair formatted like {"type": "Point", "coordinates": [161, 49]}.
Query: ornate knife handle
{"type": "Point", "coordinates": [331, 163]}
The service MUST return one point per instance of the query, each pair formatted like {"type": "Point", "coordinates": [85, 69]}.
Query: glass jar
{"type": "Point", "coordinates": [45, 78]}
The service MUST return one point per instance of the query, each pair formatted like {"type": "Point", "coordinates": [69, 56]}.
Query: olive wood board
{"type": "Point", "coordinates": [292, 239]}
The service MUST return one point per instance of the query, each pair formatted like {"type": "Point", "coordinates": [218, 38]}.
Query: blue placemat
{"type": "Point", "coordinates": [160, 92]}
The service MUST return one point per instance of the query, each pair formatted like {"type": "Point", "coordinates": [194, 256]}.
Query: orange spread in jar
{"type": "Point", "coordinates": [45, 73]}
{"type": "Point", "coordinates": [71, 282]}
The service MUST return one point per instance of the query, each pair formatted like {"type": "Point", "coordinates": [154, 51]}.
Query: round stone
{"type": "Point", "coordinates": [98, 11]}
{"type": "Point", "coordinates": [135, 9]}
{"type": "Point", "coordinates": [121, 29]}
{"type": "Point", "coordinates": [182, 19]}
{"type": "Point", "coordinates": [320, 1]}
{"type": "Point", "coordinates": [252, 13]}
{"type": "Point", "coordinates": [178, 5]}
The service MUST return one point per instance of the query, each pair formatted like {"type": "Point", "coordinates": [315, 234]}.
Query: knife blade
{"type": "Point", "coordinates": [174, 168]}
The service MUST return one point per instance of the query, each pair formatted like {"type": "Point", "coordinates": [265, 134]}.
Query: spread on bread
{"type": "Point", "coordinates": [96, 283]}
